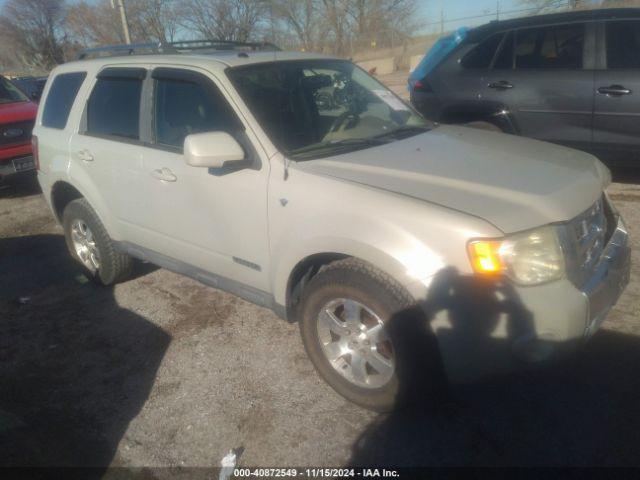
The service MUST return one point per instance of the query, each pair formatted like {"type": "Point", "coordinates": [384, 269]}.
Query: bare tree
{"type": "Point", "coordinates": [304, 18]}
{"type": "Point", "coordinates": [154, 19]}
{"type": "Point", "coordinates": [385, 22]}
{"type": "Point", "coordinates": [335, 15]}
{"type": "Point", "coordinates": [32, 30]}
{"type": "Point", "coordinates": [94, 24]}
{"type": "Point", "coordinates": [99, 24]}
{"type": "Point", "coordinates": [41, 32]}
{"type": "Point", "coordinates": [240, 20]}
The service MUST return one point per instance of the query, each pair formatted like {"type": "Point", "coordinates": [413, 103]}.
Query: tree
{"type": "Point", "coordinates": [382, 21]}
{"type": "Point", "coordinates": [303, 18]}
{"type": "Point", "coordinates": [154, 19]}
{"type": "Point", "coordinates": [347, 25]}
{"type": "Point", "coordinates": [239, 20]}
{"type": "Point", "coordinates": [33, 31]}
{"type": "Point", "coordinates": [100, 24]}
{"type": "Point", "coordinates": [94, 24]}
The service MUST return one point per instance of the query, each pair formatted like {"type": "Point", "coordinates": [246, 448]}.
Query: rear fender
{"type": "Point", "coordinates": [87, 188]}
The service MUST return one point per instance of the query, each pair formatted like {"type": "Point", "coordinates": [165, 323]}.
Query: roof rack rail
{"type": "Point", "coordinates": [173, 47]}
{"type": "Point", "coordinates": [215, 44]}
{"type": "Point", "coordinates": [128, 49]}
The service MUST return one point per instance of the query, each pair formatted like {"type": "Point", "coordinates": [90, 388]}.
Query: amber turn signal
{"type": "Point", "coordinates": [485, 256]}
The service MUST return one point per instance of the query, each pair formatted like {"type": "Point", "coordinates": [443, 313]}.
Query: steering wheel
{"type": "Point", "coordinates": [342, 118]}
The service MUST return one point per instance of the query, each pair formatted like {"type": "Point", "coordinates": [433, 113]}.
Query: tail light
{"type": "Point", "coordinates": [422, 86]}
{"type": "Point", "coordinates": [34, 151]}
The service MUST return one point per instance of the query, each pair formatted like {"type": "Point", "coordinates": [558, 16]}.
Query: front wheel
{"type": "Point", "coordinates": [482, 125]}
{"type": "Point", "coordinates": [364, 337]}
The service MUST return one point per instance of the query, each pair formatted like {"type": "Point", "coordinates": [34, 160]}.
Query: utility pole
{"type": "Point", "coordinates": [119, 4]}
{"type": "Point", "coordinates": [497, 9]}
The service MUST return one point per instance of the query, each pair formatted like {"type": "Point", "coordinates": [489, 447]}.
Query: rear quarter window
{"type": "Point", "coordinates": [60, 99]}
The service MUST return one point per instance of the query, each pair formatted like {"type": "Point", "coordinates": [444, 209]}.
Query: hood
{"type": "Point", "coordinates": [17, 112]}
{"type": "Point", "coordinates": [512, 182]}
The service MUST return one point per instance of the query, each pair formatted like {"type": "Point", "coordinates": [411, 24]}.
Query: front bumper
{"type": "Point", "coordinates": [610, 278]}
{"type": "Point", "coordinates": [497, 328]}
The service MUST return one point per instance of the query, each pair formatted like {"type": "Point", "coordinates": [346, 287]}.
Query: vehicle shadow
{"type": "Point", "coordinates": [75, 367]}
{"type": "Point", "coordinates": [18, 186]}
{"type": "Point", "coordinates": [583, 410]}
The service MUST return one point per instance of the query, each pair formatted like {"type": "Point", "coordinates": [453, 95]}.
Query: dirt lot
{"type": "Point", "coordinates": [163, 371]}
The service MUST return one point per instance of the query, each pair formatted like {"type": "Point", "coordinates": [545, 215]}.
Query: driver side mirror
{"type": "Point", "coordinates": [212, 150]}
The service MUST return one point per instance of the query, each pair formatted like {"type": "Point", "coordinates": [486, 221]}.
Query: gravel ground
{"type": "Point", "coordinates": [163, 371]}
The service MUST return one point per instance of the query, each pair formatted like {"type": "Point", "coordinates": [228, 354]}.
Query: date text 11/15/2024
{"type": "Point", "coordinates": [315, 473]}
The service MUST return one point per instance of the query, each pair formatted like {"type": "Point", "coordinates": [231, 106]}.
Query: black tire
{"type": "Point", "coordinates": [114, 266]}
{"type": "Point", "coordinates": [482, 125]}
{"type": "Point", "coordinates": [417, 363]}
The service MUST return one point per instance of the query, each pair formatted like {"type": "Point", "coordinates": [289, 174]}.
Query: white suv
{"type": "Point", "coordinates": [300, 183]}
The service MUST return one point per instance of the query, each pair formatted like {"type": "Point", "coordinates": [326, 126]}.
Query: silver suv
{"type": "Point", "coordinates": [302, 184]}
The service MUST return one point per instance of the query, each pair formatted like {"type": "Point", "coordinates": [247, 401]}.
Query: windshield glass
{"type": "Point", "coordinates": [9, 93]}
{"type": "Point", "coordinates": [316, 108]}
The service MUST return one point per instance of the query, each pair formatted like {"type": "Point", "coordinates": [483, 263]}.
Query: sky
{"type": "Point", "coordinates": [451, 10]}
{"type": "Point", "coordinates": [432, 10]}
{"type": "Point", "coordinates": [483, 11]}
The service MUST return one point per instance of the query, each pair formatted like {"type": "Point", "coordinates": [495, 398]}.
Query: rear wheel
{"type": "Point", "coordinates": [89, 243]}
{"type": "Point", "coordinates": [354, 322]}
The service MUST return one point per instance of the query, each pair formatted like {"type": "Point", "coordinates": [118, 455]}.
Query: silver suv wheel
{"type": "Point", "coordinates": [84, 244]}
{"type": "Point", "coordinates": [354, 340]}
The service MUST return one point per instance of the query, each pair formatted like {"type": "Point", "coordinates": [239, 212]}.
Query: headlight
{"type": "Point", "coordinates": [528, 258]}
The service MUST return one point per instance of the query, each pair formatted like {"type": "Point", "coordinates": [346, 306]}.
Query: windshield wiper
{"type": "Point", "coordinates": [403, 132]}
{"type": "Point", "coordinates": [331, 145]}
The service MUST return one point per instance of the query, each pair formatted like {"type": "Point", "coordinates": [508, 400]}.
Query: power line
{"type": "Point", "coordinates": [498, 12]}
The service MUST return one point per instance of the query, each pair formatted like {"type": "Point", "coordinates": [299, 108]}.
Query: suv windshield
{"type": "Point", "coordinates": [9, 93]}
{"type": "Point", "coordinates": [316, 108]}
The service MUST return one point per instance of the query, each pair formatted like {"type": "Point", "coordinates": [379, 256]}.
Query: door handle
{"type": "Point", "coordinates": [501, 85]}
{"type": "Point", "coordinates": [614, 90]}
{"type": "Point", "coordinates": [85, 155]}
{"type": "Point", "coordinates": [164, 174]}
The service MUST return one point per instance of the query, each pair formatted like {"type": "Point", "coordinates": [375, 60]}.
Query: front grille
{"type": "Point", "coordinates": [15, 133]}
{"type": "Point", "coordinates": [587, 235]}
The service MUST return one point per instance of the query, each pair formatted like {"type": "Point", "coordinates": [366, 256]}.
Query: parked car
{"type": "Point", "coordinates": [17, 116]}
{"type": "Point", "coordinates": [352, 221]}
{"type": "Point", "coordinates": [569, 78]}
{"type": "Point", "coordinates": [31, 86]}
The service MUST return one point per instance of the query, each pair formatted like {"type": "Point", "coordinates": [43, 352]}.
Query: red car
{"type": "Point", "coordinates": [17, 116]}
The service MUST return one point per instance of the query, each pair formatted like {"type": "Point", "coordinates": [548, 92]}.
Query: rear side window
{"type": "Point", "coordinates": [113, 108]}
{"type": "Point", "coordinates": [550, 47]}
{"type": "Point", "coordinates": [623, 44]}
{"type": "Point", "coordinates": [60, 99]}
{"type": "Point", "coordinates": [481, 56]}
{"type": "Point", "coordinates": [505, 57]}
{"type": "Point", "coordinates": [183, 107]}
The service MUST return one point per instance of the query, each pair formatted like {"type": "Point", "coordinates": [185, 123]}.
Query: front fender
{"type": "Point", "coordinates": [288, 257]}
{"type": "Point", "coordinates": [406, 238]}
{"type": "Point", "coordinates": [493, 112]}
